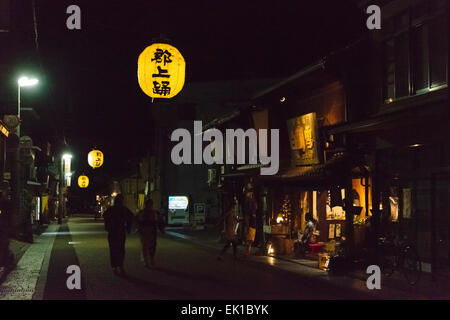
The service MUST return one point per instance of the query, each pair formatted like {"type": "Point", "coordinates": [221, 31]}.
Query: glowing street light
{"type": "Point", "coordinates": [67, 157]}
{"type": "Point", "coordinates": [64, 181]}
{"type": "Point", "coordinates": [23, 82]}
{"type": "Point", "coordinates": [16, 170]}
{"type": "Point", "coordinates": [27, 82]}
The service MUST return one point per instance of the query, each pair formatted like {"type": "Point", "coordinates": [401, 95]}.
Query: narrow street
{"type": "Point", "coordinates": [184, 271]}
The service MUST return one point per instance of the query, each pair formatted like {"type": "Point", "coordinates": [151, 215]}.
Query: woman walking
{"type": "Point", "coordinates": [148, 223]}
{"type": "Point", "coordinates": [118, 221]}
{"type": "Point", "coordinates": [230, 235]}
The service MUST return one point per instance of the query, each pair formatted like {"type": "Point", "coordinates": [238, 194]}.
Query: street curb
{"type": "Point", "coordinates": [42, 279]}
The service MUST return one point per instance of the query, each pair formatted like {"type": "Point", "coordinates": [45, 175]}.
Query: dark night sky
{"type": "Point", "coordinates": [89, 76]}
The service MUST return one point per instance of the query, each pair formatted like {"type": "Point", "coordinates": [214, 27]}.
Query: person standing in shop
{"type": "Point", "coordinates": [250, 208]}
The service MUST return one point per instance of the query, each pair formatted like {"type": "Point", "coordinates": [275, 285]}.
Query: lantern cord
{"type": "Point", "coordinates": [153, 99]}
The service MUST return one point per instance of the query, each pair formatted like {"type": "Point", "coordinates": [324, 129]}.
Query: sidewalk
{"type": "Point", "coordinates": [23, 282]}
{"type": "Point", "coordinates": [394, 287]}
{"type": "Point", "coordinates": [18, 248]}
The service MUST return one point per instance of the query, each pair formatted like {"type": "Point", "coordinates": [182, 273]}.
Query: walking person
{"type": "Point", "coordinates": [149, 221]}
{"type": "Point", "coordinates": [230, 235]}
{"type": "Point", "coordinates": [118, 221]}
{"type": "Point", "coordinates": [250, 207]}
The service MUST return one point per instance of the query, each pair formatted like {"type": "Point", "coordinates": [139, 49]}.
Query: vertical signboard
{"type": "Point", "coordinates": [304, 140]}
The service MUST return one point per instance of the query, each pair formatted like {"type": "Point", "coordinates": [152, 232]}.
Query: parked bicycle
{"type": "Point", "coordinates": [398, 253]}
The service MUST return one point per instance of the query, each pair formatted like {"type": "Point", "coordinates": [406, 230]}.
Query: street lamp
{"type": "Point", "coordinates": [17, 191]}
{"type": "Point", "coordinates": [64, 175]}
{"type": "Point", "coordinates": [23, 82]}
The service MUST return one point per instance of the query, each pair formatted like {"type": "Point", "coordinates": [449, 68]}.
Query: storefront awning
{"type": "Point", "coordinates": [219, 121]}
{"type": "Point", "coordinates": [334, 171]}
{"type": "Point", "coordinates": [320, 170]}
{"type": "Point", "coordinates": [408, 111]}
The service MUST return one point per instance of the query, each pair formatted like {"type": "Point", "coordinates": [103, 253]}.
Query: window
{"type": "Point", "coordinates": [415, 50]}
{"type": "Point", "coordinates": [420, 58]}
{"type": "Point", "coordinates": [396, 58]}
{"type": "Point", "coordinates": [402, 65]}
{"type": "Point", "coordinates": [438, 48]}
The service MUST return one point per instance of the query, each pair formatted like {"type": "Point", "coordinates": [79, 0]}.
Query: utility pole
{"type": "Point", "coordinates": [16, 176]}
{"type": "Point", "coordinates": [17, 167]}
{"type": "Point", "coordinates": [61, 189]}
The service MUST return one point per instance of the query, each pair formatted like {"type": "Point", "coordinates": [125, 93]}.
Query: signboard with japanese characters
{"type": "Point", "coordinates": [161, 71]}
{"type": "Point", "coordinates": [304, 139]}
{"type": "Point", "coordinates": [4, 130]}
{"type": "Point", "coordinates": [83, 181]}
{"type": "Point", "coordinates": [95, 158]}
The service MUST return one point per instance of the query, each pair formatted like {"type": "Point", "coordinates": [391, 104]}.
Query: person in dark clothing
{"type": "Point", "coordinates": [230, 222]}
{"type": "Point", "coordinates": [250, 208]}
{"type": "Point", "coordinates": [309, 229]}
{"type": "Point", "coordinates": [6, 256]}
{"type": "Point", "coordinates": [118, 221]}
{"type": "Point", "coordinates": [149, 221]}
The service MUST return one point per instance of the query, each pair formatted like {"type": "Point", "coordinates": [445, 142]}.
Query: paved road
{"type": "Point", "coordinates": [184, 271]}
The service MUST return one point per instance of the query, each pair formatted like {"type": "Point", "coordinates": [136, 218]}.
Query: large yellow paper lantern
{"type": "Point", "coordinates": [95, 158]}
{"type": "Point", "coordinates": [83, 181]}
{"type": "Point", "coordinates": [161, 71]}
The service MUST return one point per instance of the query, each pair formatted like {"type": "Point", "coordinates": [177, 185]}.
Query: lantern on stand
{"type": "Point", "coordinates": [161, 71]}
{"type": "Point", "coordinates": [83, 181]}
{"type": "Point", "coordinates": [95, 158]}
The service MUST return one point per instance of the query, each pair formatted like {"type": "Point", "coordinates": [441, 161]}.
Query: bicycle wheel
{"type": "Point", "coordinates": [412, 267]}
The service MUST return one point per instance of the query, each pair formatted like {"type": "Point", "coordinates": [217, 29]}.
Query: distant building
{"type": "Point", "coordinates": [197, 101]}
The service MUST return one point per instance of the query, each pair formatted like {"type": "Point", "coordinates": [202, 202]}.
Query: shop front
{"type": "Point", "coordinates": [318, 193]}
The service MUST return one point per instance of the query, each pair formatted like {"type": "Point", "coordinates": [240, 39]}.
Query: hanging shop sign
{"type": "Point", "coordinates": [83, 181]}
{"type": "Point", "coordinates": [161, 71]}
{"type": "Point", "coordinates": [95, 158]}
{"type": "Point", "coordinates": [11, 121]}
{"type": "Point", "coordinates": [304, 139]}
{"type": "Point", "coordinates": [4, 130]}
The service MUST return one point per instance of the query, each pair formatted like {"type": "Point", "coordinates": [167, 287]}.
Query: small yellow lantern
{"type": "Point", "coordinates": [83, 181]}
{"type": "Point", "coordinates": [95, 158]}
{"type": "Point", "coordinates": [161, 71]}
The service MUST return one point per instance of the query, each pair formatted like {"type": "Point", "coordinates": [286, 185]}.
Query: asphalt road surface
{"type": "Point", "coordinates": [183, 271]}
